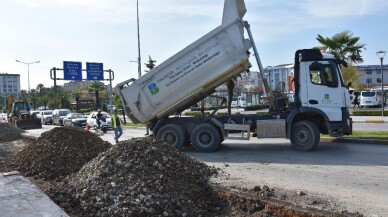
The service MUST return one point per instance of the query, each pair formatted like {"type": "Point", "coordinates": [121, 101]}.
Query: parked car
{"type": "Point", "coordinates": [92, 121]}
{"type": "Point", "coordinates": [46, 117]}
{"type": "Point", "coordinates": [74, 119]}
{"type": "Point", "coordinates": [58, 115]}
{"type": "Point", "coordinates": [43, 108]}
{"type": "Point", "coordinates": [35, 114]}
{"type": "Point", "coordinates": [3, 117]}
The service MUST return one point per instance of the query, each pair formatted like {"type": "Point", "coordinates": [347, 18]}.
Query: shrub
{"type": "Point", "coordinates": [256, 107]}
{"type": "Point", "coordinates": [369, 113]}
{"type": "Point", "coordinates": [195, 114]}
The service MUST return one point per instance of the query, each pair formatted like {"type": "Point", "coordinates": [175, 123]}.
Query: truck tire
{"type": "Point", "coordinates": [205, 138]}
{"type": "Point", "coordinates": [305, 136]}
{"type": "Point", "coordinates": [173, 134]}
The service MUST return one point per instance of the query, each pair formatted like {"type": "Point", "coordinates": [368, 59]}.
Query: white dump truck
{"type": "Point", "coordinates": [158, 97]}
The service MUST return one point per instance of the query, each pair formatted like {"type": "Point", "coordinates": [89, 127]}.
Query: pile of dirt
{"type": "Point", "coordinates": [139, 177]}
{"type": "Point", "coordinates": [9, 133]}
{"type": "Point", "coordinates": [58, 153]}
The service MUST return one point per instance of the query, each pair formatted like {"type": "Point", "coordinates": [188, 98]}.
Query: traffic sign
{"type": "Point", "coordinates": [72, 70]}
{"type": "Point", "coordinates": [94, 71]}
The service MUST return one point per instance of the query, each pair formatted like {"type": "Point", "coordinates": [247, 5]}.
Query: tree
{"type": "Point", "coordinates": [23, 95]}
{"type": "Point", "coordinates": [117, 101]}
{"type": "Point", "coordinates": [77, 97]}
{"type": "Point", "coordinates": [40, 89]}
{"type": "Point", "coordinates": [351, 74]}
{"type": "Point", "coordinates": [344, 45]}
{"type": "Point", "coordinates": [150, 65]}
{"type": "Point", "coordinates": [96, 87]}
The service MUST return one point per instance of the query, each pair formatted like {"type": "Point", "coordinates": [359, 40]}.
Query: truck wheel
{"type": "Point", "coordinates": [173, 134]}
{"type": "Point", "coordinates": [305, 136]}
{"type": "Point", "coordinates": [205, 138]}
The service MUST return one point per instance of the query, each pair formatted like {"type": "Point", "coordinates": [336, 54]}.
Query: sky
{"type": "Point", "coordinates": [105, 31]}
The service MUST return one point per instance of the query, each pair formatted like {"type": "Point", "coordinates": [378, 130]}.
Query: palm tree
{"type": "Point", "coordinates": [96, 87]}
{"type": "Point", "coordinates": [76, 96]}
{"type": "Point", "coordinates": [344, 45]}
{"type": "Point", "coordinates": [23, 95]}
{"type": "Point", "coordinates": [40, 88]}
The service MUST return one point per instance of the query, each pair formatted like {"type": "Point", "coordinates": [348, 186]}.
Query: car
{"type": "Point", "coordinates": [58, 115]}
{"type": "Point", "coordinates": [92, 121]}
{"type": "Point", "coordinates": [35, 114]}
{"type": "Point", "coordinates": [3, 117]}
{"type": "Point", "coordinates": [46, 117]}
{"type": "Point", "coordinates": [41, 108]}
{"type": "Point", "coordinates": [370, 98]}
{"type": "Point", "coordinates": [74, 119]}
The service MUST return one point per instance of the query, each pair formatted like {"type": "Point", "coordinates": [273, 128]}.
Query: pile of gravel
{"type": "Point", "coordinates": [58, 153]}
{"type": "Point", "coordinates": [139, 177]}
{"type": "Point", "coordinates": [9, 132]}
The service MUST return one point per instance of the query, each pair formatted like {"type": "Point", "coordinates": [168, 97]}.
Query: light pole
{"type": "Point", "coordinates": [138, 43]}
{"type": "Point", "coordinates": [381, 55]}
{"type": "Point", "coordinates": [28, 70]}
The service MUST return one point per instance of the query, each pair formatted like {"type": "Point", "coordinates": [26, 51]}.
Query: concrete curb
{"type": "Point", "coordinates": [371, 121]}
{"type": "Point", "coordinates": [359, 141]}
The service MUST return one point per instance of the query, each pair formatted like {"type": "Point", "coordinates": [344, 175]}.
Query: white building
{"type": "Point", "coordinates": [371, 76]}
{"type": "Point", "coordinates": [278, 74]}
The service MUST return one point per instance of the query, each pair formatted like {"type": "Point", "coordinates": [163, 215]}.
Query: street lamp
{"type": "Point", "coordinates": [138, 42]}
{"type": "Point", "coordinates": [28, 70]}
{"type": "Point", "coordinates": [381, 55]}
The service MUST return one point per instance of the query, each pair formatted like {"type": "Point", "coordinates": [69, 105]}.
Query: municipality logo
{"type": "Point", "coordinates": [153, 88]}
{"type": "Point", "coordinates": [327, 96]}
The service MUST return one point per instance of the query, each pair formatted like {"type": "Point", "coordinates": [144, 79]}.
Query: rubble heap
{"type": "Point", "coordinates": [58, 153]}
{"type": "Point", "coordinates": [9, 133]}
{"type": "Point", "coordinates": [139, 177]}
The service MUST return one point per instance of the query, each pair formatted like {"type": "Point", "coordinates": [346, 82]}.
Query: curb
{"type": "Point", "coordinates": [371, 121]}
{"type": "Point", "coordinates": [351, 140]}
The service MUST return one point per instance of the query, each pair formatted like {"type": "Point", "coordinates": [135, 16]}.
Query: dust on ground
{"type": "Point", "coordinates": [141, 177]}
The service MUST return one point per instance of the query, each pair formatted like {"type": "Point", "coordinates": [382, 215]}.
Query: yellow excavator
{"type": "Point", "coordinates": [19, 115]}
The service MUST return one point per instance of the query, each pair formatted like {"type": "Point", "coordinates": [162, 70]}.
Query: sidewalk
{"type": "Point", "coordinates": [19, 197]}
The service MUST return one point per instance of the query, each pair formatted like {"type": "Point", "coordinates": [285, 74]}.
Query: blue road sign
{"type": "Point", "coordinates": [72, 70]}
{"type": "Point", "coordinates": [95, 71]}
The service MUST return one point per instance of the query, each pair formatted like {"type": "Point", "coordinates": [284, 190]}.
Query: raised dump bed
{"type": "Point", "coordinates": [191, 74]}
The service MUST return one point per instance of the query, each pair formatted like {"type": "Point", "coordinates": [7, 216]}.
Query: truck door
{"type": "Point", "coordinates": [322, 88]}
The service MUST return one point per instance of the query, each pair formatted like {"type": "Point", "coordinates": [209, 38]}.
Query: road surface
{"type": "Point", "coordinates": [353, 177]}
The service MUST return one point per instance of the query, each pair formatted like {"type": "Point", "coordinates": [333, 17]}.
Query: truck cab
{"type": "Point", "coordinates": [321, 95]}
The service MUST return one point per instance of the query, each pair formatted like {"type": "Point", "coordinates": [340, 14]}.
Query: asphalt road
{"type": "Point", "coordinates": [353, 176]}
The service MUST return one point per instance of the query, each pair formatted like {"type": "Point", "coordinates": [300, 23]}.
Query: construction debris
{"type": "Point", "coordinates": [9, 133]}
{"type": "Point", "coordinates": [58, 153]}
{"type": "Point", "coordinates": [139, 177]}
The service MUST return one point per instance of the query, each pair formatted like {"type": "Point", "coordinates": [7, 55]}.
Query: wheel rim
{"type": "Point", "coordinates": [169, 137]}
{"type": "Point", "coordinates": [302, 136]}
{"type": "Point", "coordinates": [205, 138]}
